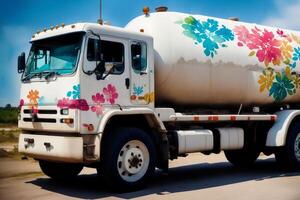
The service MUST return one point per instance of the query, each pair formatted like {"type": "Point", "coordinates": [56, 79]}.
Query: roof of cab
{"type": "Point", "coordinates": [84, 27]}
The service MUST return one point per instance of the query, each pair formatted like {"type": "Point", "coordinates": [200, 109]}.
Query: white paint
{"type": "Point", "coordinates": [278, 133]}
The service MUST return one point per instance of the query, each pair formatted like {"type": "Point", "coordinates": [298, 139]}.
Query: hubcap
{"type": "Point", "coordinates": [133, 161]}
{"type": "Point", "coordinates": [297, 147]}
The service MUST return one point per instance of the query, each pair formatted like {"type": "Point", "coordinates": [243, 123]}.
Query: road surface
{"type": "Point", "coordinates": [194, 177]}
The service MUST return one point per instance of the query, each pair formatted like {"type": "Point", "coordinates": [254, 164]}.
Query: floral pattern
{"type": "Point", "coordinates": [138, 90]}
{"type": "Point", "coordinates": [75, 93]}
{"type": "Point", "coordinates": [110, 93]}
{"type": "Point", "coordinates": [33, 97]}
{"type": "Point", "coordinates": [208, 33]}
{"type": "Point", "coordinates": [272, 49]}
{"type": "Point", "coordinates": [98, 100]}
{"type": "Point", "coordinates": [80, 104]}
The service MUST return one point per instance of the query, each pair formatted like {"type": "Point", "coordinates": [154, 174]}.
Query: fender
{"type": "Point", "coordinates": [278, 133]}
{"type": "Point", "coordinates": [131, 111]}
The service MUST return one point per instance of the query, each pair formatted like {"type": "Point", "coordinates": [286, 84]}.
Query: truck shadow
{"type": "Point", "coordinates": [179, 179]}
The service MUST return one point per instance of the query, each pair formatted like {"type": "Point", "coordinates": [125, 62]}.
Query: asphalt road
{"type": "Point", "coordinates": [194, 177]}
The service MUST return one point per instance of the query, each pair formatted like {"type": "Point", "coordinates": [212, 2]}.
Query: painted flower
{"type": "Point", "coordinates": [266, 80]}
{"type": "Point", "coordinates": [282, 87]}
{"type": "Point", "coordinates": [295, 38]}
{"type": "Point", "coordinates": [41, 101]}
{"type": "Point", "coordinates": [33, 97]}
{"type": "Point", "coordinates": [75, 93]}
{"type": "Point", "coordinates": [264, 42]}
{"type": "Point", "coordinates": [64, 103]}
{"type": "Point", "coordinates": [243, 35]}
{"type": "Point", "coordinates": [21, 103]}
{"type": "Point", "coordinates": [286, 49]}
{"type": "Point", "coordinates": [208, 33]}
{"type": "Point", "coordinates": [296, 80]}
{"type": "Point", "coordinates": [98, 100]}
{"type": "Point", "coordinates": [138, 90]}
{"type": "Point", "coordinates": [110, 93]}
{"type": "Point", "coordinates": [149, 97]}
{"type": "Point", "coordinates": [296, 55]}
{"type": "Point", "coordinates": [80, 104]}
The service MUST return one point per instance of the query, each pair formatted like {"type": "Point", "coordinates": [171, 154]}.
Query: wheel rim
{"type": "Point", "coordinates": [133, 161]}
{"type": "Point", "coordinates": [297, 147]}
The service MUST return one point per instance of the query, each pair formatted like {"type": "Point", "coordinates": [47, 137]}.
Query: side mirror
{"type": "Point", "coordinates": [21, 63]}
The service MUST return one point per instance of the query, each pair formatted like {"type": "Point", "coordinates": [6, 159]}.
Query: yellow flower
{"type": "Point", "coordinates": [296, 80]}
{"type": "Point", "coordinates": [33, 97]}
{"type": "Point", "coordinates": [266, 80]}
{"type": "Point", "coordinates": [286, 49]}
{"type": "Point", "coordinates": [295, 38]}
{"type": "Point", "coordinates": [149, 97]}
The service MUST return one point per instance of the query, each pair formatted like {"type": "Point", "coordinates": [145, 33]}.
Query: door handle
{"type": "Point", "coordinates": [127, 83]}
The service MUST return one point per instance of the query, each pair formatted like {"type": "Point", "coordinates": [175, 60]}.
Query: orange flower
{"type": "Point", "coordinates": [33, 97]}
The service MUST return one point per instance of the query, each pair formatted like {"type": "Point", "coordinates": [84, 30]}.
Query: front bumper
{"type": "Point", "coordinates": [52, 147]}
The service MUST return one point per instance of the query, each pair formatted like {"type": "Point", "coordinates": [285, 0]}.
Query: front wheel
{"type": "Point", "coordinates": [60, 171]}
{"type": "Point", "coordinates": [128, 159]}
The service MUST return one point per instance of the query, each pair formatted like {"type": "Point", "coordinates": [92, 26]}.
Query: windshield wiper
{"type": "Point", "coordinates": [30, 76]}
{"type": "Point", "coordinates": [50, 74]}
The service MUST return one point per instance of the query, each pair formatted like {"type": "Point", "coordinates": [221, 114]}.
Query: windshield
{"type": "Point", "coordinates": [57, 55]}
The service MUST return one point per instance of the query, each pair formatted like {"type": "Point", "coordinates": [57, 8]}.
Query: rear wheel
{"type": "Point", "coordinates": [242, 158]}
{"type": "Point", "coordinates": [288, 157]}
{"type": "Point", "coordinates": [128, 160]}
{"type": "Point", "coordinates": [60, 170]}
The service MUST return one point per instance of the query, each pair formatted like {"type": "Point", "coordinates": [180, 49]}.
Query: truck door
{"type": "Point", "coordinates": [139, 83]}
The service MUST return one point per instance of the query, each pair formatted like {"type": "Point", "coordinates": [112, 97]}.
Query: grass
{"type": "Point", "coordinates": [10, 136]}
{"type": "Point", "coordinates": [9, 116]}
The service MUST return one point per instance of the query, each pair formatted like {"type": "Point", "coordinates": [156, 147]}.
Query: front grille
{"type": "Point", "coordinates": [49, 112]}
{"type": "Point", "coordinates": [46, 120]}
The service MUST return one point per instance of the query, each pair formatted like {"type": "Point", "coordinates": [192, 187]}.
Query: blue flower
{"type": "Point", "coordinates": [75, 93]}
{"type": "Point", "coordinates": [296, 55]}
{"type": "Point", "coordinates": [41, 101]}
{"type": "Point", "coordinates": [208, 33]}
{"type": "Point", "coordinates": [282, 87]}
{"type": "Point", "coordinates": [138, 90]}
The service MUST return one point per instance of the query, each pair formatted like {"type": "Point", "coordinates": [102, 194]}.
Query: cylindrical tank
{"type": "Point", "coordinates": [203, 60]}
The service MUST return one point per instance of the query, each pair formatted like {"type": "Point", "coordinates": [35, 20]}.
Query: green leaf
{"type": "Point", "coordinates": [252, 53]}
{"type": "Point", "coordinates": [287, 62]}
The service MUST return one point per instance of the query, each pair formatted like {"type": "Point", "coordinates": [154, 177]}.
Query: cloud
{"type": "Point", "coordinates": [287, 15]}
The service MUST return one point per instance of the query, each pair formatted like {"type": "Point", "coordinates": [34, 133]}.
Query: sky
{"type": "Point", "coordinates": [19, 19]}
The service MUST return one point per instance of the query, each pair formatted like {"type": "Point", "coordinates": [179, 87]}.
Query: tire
{"type": "Point", "coordinates": [128, 159]}
{"type": "Point", "coordinates": [288, 157]}
{"type": "Point", "coordinates": [60, 171]}
{"type": "Point", "coordinates": [242, 158]}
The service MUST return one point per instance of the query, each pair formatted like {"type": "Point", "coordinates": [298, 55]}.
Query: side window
{"type": "Point", "coordinates": [139, 56]}
{"type": "Point", "coordinates": [112, 53]}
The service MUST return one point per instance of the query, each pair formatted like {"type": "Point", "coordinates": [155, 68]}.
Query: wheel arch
{"type": "Point", "coordinates": [144, 119]}
{"type": "Point", "coordinates": [278, 133]}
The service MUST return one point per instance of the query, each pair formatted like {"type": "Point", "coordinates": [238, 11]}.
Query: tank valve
{"type": "Point", "coordinates": [146, 11]}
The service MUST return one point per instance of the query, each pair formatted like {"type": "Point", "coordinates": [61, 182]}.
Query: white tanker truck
{"type": "Point", "coordinates": [127, 100]}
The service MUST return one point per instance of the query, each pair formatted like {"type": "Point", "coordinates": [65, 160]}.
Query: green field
{"type": "Point", "coordinates": [8, 116]}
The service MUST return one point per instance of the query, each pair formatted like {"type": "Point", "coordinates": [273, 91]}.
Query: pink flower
{"type": "Point", "coordinates": [243, 34]}
{"type": "Point", "coordinates": [110, 93]}
{"type": "Point", "coordinates": [80, 104]}
{"type": "Point", "coordinates": [268, 48]}
{"type": "Point", "coordinates": [98, 99]}
{"type": "Point", "coordinates": [21, 103]}
{"type": "Point", "coordinates": [64, 103]}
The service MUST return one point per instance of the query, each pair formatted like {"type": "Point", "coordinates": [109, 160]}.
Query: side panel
{"type": "Point", "coordinates": [277, 134]}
